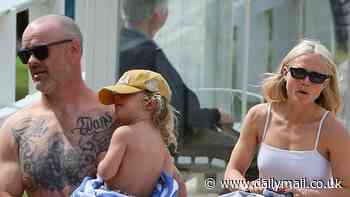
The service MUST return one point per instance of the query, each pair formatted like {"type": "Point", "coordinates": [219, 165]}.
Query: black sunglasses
{"type": "Point", "coordinates": [301, 73]}
{"type": "Point", "coordinates": [40, 51]}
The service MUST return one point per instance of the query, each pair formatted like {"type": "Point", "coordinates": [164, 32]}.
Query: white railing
{"type": "Point", "coordinates": [227, 99]}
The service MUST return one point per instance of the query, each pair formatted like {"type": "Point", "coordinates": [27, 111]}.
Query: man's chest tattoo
{"type": "Point", "coordinates": [96, 129]}
{"type": "Point", "coordinates": [88, 125]}
{"type": "Point", "coordinates": [50, 161]}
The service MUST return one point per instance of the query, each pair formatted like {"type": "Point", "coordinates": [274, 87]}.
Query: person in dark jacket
{"type": "Point", "coordinates": [142, 20]}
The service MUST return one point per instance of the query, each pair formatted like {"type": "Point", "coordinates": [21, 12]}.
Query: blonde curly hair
{"type": "Point", "coordinates": [163, 118]}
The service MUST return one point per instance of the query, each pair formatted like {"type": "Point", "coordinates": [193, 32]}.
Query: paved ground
{"type": "Point", "coordinates": [195, 186]}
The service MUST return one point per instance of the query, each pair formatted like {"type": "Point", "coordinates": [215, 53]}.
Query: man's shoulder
{"type": "Point", "coordinates": [28, 111]}
{"type": "Point", "coordinates": [98, 108]}
{"type": "Point", "coordinates": [138, 45]}
{"type": "Point", "coordinates": [19, 121]}
{"type": "Point", "coordinates": [38, 110]}
{"type": "Point", "coordinates": [133, 40]}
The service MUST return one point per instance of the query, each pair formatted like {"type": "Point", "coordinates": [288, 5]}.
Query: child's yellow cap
{"type": "Point", "coordinates": [134, 81]}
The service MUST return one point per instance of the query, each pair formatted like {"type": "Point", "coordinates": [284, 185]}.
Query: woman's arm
{"type": "Point", "coordinates": [244, 150]}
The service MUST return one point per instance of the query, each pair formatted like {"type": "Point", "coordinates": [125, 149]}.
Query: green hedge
{"type": "Point", "coordinates": [21, 80]}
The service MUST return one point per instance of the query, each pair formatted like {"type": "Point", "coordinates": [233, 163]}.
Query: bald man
{"type": "Point", "coordinates": [48, 148]}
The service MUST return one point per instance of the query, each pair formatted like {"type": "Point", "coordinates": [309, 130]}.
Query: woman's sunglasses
{"type": "Point", "coordinates": [301, 73]}
{"type": "Point", "coordinates": [40, 52]}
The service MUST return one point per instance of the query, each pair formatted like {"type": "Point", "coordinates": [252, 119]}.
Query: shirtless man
{"type": "Point", "coordinates": [48, 148]}
{"type": "Point", "coordinates": [138, 154]}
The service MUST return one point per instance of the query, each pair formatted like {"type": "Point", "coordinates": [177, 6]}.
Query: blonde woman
{"type": "Point", "coordinates": [302, 142]}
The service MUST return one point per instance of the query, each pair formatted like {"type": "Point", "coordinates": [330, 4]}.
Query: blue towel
{"type": "Point", "coordinates": [266, 193]}
{"type": "Point", "coordinates": [166, 187]}
{"type": "Point", "coordinates": [241, 194]}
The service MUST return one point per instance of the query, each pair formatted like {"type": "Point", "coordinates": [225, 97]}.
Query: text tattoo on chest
{"type": "Point", "coordinates": [50, 162]}
{"type": "Point", "coordinates": [89, 126]}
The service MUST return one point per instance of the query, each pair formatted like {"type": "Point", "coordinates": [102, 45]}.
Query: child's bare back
{"type": "Point", "coordinates": [137, 155]}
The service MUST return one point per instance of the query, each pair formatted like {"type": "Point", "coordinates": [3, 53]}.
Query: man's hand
{"type": "Point", "coordinates": [226, 120]}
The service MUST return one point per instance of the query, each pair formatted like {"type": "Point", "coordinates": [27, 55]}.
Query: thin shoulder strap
{"type": "Point", "coordinates": [267, 121]}
{"type": "Point", "coordinates": [320, 128]}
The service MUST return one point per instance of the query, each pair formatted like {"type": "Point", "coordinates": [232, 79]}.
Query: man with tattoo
{"type": "Point", "coordinates": [48, 148]}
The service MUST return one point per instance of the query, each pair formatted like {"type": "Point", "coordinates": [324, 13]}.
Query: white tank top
{"type": "Point", "coordinates": [282, 164]}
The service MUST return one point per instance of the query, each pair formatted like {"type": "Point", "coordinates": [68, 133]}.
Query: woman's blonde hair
{"type": "Point", "coordinates": [274, 86]}
{"type": "Point", "coordinates": [163, 118]}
